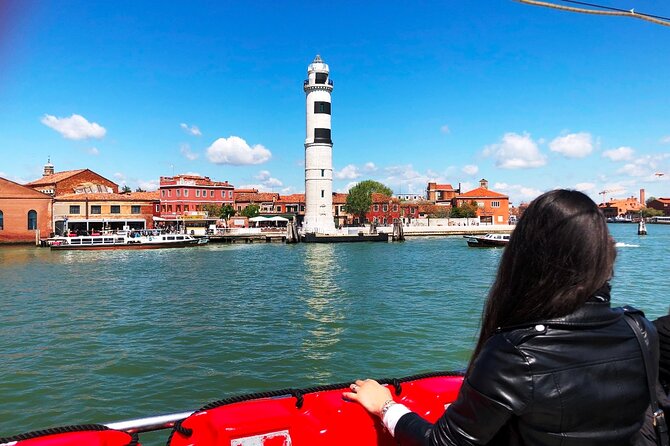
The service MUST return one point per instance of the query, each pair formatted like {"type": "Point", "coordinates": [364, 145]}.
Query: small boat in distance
{"type": "Point", "coordinates": [145, 239]}
{"type": "Point", "coordinates": [488, 241]}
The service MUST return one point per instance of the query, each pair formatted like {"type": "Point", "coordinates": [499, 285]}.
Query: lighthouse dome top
{"type": "Point", "coordinates": [318, 65]}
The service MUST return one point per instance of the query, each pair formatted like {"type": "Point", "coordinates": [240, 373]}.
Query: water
{"type": "Point", "coordinates": [112, 335]}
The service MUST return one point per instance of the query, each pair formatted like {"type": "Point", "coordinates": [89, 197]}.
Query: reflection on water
{"type": "Point", "coordinates": [323, 309]}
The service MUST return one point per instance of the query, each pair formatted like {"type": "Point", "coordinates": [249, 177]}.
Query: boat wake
{"type": "Point", "coordinates": [625, 245]}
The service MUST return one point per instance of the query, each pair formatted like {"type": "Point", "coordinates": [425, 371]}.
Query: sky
{"type": "Point", "coordinates": [529, 98]}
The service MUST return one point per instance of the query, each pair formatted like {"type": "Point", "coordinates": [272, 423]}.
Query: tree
{"type": "Point", "coordinates": [224, 211]}
{"type": "Point", "coordinates": [126, 189]}
{"type": "Point", "coordinates": [465, 210]}
{"type": "Point", "coordinates": [251, 211]}
{"type": "Point", "coordinates": [139, 189]}
{"type": "Point", "coordinates": [227, 211]}
{"type": "Point", "coordinates": [649, 200]}
{"type": "Point", "coordinates": [650, 212]}
{"type": "Point", "coordinates": [359, 199]}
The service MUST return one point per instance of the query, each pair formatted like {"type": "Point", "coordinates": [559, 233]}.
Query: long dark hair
{"type": "Point", "coordinates": [559, 255]}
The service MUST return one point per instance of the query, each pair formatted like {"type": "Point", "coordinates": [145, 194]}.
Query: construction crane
{"type": "Point", "coordinates": [607, 191]}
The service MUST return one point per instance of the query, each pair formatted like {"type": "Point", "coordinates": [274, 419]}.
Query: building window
{"type": "Point", "coordinates": [323, 171]}
{"type": "Point", "coordinates": [230, 194]}
{"type": "Point", "coordinates": [278, 208]}
{"type": "Point", "coordinates": [495, 204]}
{"type": "Point", "coordinates": [322, 107]}
{"type": "Point", "coordinates": [186, 192]}
{"type": "Point", "coordinates": [322, 135]}
{"type": "Point", "coordinates": [385, 208]}
{"type": "Point", "coordinates": [74, 209]}
{"type": "Point", "coordinates": [185, 207]}
{"type": "Point", "coordinates": [158, 208]}
{"type": "Point", "coordinates": [178, 192]}
{"type": "Point", "coordinates": [395, 208]}
{"type": "Point", "coordinates": [32, 220]}
{"type": "Point", "coordinates": [376, 208]}
{"type": "Point", "coordinates": [162, 193]}
{"type": "Point", "coordinates": [302, 208]}
{"type": "Point", "coordinates": [321, 78]}
{"type": "Point", "coordinates": [2, 221]}
{"type": "Point", "coordinates": [169, 208]}
{"type": "Point", "coordinates": [115, 209]}
{"type": "Point", "coordinates": [169, 193]}
{"type": "Point", "coordinates": [197, 192]}
{"type": "Point", "coordinates": [179, 208]}
{"type": "Point", "coordinates": [135, 209]}
{"type": "Point", "coordinates": [323, 193]}
{"type": "Point", "coordinates": [95, 209]}
{"type": "Point", "coordinates": [211, 193]}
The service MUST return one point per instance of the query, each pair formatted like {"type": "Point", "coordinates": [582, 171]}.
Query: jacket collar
{"type": "Point", "coordinates": [590, 314]}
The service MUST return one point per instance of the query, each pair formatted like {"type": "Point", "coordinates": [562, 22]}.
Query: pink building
{"type": "Point", "coordinates": [187, 195]}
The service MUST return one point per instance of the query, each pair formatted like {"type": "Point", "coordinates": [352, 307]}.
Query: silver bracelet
{"type": "Point", "coordinates": [385, 407]}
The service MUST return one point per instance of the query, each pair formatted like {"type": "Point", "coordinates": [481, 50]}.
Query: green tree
{"type": "Point", "coordinates": [251, 211]}
{"type": "Point", "coordinates": [649, 200]}
{"type": "Point", "coordinates": [359, 199]}
{"type": "Point", "coordinates": [650, 212]}
{"type": "Point", "coordinates": [139, 189]}
{"type": "Point", "coordinates": [126, 189]}
{"type": "Point", "coordinates": [465, 210]}
{"type": "Point", "coordinates": [227, 211]}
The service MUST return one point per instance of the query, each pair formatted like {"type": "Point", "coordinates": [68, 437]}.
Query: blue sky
{"type": "Point", "coordinates": [450, 91]}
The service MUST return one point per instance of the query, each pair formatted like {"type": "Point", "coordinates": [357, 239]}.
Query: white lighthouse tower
{"type": "Point", "coordinates": [318, 151]}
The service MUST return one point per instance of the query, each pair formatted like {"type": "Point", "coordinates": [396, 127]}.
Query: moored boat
{"type": "Point", "coordinates": [146, 239]}
{"type": "Point", "coordinates": [488, 240]}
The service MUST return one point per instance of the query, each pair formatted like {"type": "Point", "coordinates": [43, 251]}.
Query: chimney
{"type": "Point", "coordinates": [642, 198]}
{"type": "Point", "coordinates": [483, 184]}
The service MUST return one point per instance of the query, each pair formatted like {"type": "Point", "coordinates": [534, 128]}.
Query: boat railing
{"type": "Point", "coordinates": [149, 424]}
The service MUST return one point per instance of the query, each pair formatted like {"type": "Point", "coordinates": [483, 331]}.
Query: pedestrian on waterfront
{"type": "Point", "coordinates": [663, 386]}
{"type": "Point", "coordinates": [554, 363]}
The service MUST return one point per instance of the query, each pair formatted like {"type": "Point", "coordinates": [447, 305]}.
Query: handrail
{"type": "Point", "coordinates": [149, 424]}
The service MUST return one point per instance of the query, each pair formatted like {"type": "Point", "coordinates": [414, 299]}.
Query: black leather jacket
{"type": "Point", "coordinates": [575, 380]}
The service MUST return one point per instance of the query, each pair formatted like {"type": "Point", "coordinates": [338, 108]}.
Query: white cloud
{"type": "Point", "coordinates": [348, 172]}
{"type": "Point", "coordinates": [346, 188]}
{"type": "Point", "coordinates": [470, 169]}
{"type": "Point", "coordinates": [516, 192]}
{"type": "Point", "coordinates": [267, 180]}
{"type": "Point", "coordinates": [93, 151]}
{"type": "Point", "coordinates": [191, 130]}
{"type": "Point", "coordinates": [235, 151]}
{"type": "Point", "coordinates": [185, 150]}
{"type": "Point", "coordinates": [118, 176]}
{"type": "Point", "coordinates": [148, 185]}
{"type": "Point", "coordinates": [584, 187]}
{"type": "Point", "coordinates": [647, 166]}
{"type": "Point", "coordinates": [369, 167]}
{"type": "Point", "coordinates": [665, 140]}
{"type": "Point", "coordinates": [516, 152]}
{"type": "Point", "coordinates": [445, 129]}
{"type": "Point", "coordinates": [574, 145]}
{"type": "Point", "coordinates": [620, 154]}
{"type": "Point", "coordinates": [74, 127]}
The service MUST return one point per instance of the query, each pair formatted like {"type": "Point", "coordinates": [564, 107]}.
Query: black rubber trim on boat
{"type": "Point", "coordinates": [299, 393]}
{"type": "Point", "coordinates": [65, 430]}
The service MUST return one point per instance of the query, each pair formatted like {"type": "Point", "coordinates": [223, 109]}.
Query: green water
{"type": "Point", "coordinates": [112, 335]}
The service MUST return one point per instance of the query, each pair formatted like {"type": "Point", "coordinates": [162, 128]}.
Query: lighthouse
{"type": "Point", "coordinates": [318, 150]}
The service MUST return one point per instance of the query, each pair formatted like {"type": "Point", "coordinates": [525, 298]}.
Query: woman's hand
{"type": "Point", "coordinates": [369, 394]}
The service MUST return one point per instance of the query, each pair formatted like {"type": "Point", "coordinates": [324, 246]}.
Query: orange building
{"type": "Point", "coordinates": [23, 212]}
{"type": "Point", "coordinates": [492, 207]}
{"type": "Point", "coordinates": [441, 193]}
{"type": "Point", "coordinates": [621, 207]}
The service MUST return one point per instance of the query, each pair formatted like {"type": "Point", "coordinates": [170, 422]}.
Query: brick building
{"type": "Point", "coordinates": [187, 195]}
{"type": "Point", "coordinates": [492, 207]}
{"type": "Point", "coordinates": [661, 204]}
{"type": "Point", "coordinates": [96, 211]}
{"type": "Point", "coordinates": [72, 182]}
{"type": "Point", "coordinates": [441, 193]}
{"type": "Point", "coordinates": [264, 200]}
{"type": "Point", "coordinates": [621, 207]}
{"type": "Point", "coordinates": [23, 212]}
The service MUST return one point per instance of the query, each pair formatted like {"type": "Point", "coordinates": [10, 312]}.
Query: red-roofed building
{"type": "Point", "coordinates": [264, 200]}
{"type": "Point", "coordinates": [492, 207]}
{"type": "Point", "coordinates": [23, 212]}
{"type": "Point", "coordinates": [661, 204]}
{"type": "Point", "coordinates": [441, 194]}
{"type": "Point", "coordinates": [71, 182]}
{"type": "Point", "coordinates": [621, 207]}
{"type": "Point", "coordinates": [187, 195]}
{"type": "Point", "coordinates": [96, 211]}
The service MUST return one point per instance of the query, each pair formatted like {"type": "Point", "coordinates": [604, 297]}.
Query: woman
{"type": "Point", "coordinates": [554, 364]}
{"type": "Point", "coordinates": [649, 437]}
